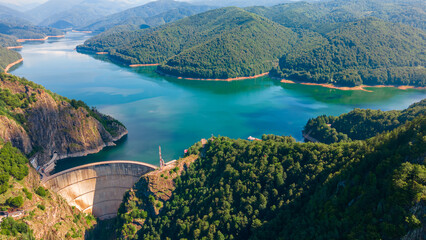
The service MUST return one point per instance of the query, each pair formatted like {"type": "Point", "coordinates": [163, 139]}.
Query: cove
{"type": "Point", "coordinates": [176, 113]}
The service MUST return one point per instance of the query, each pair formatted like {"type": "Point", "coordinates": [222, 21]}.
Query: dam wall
{"type": "Point", "coordinates": [97, 188]}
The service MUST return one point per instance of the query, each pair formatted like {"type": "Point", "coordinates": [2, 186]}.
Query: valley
{"type": "Point", "coordinates": [199, 119]}
{"type": "Point", "coordinates": [173, 113]}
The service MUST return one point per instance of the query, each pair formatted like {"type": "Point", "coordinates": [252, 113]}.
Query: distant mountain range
{"type": "Point", "coordinates": [64, 13]}
{"type": "Point", "coordinates": [151, 14]}
{"type": "Point", "coordinates": [13, 16]}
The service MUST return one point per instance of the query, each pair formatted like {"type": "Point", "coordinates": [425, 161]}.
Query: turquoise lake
{"type": "Point", "coordinates": [176, 113]}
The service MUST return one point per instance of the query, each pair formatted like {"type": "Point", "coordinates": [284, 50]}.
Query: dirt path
{"type": "Point", "coordinates": [12, 64]}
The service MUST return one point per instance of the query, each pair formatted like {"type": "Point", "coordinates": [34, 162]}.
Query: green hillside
{"type": "Point", "coordinates": [8, 41]}
{"type": "Point", "coordinates": [281, 189]}
{"type": "Point", "coordinates": [222, 43]}
{"type": "Point", "coordinates": [27, 31]}
{"type": "Point", "coordinates": [360, 124]}
{"type": "Point", "coordinates": [314, 15]}
{"type": "Point", "coordinates": [377, 195]}
{"type": "Point", "coordinates": [338, 42]}
{"type": "Point", "coordinates": [367, 51]}
{"type": "Point", "coordinates": [7, 57]}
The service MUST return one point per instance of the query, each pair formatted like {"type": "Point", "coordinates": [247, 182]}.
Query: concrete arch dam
{"type": "Point", "coordinates": [97, 188]}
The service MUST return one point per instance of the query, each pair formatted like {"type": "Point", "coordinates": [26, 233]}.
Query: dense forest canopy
{"type": "Point", "coordinates": [12, 164]}
{"type": "Point", "coordinates": [222, 43]}
{"type": "Point", "coordinates": [27, 31]}
{"type": "Point", "coordinates": [367, 51]}
{"type": "Point", "coordinates": [7, 57]}
{"type": "Point", "coordinates": [280, 189]}
{"type": "Point", "coordinates": [320, 14]}
{"type": "Point", "coordinates": [360, 124]}
{"type": "Point", "coordinates": [341, 42]}
{"type": "Point", "coordinates": [8, 41]}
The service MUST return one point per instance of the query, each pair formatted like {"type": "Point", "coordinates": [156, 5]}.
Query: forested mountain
{"type": "Point", "coordinates": [240, 3]}
{"type": "Point", "coordinates": [7, 57]}
{"type": "Point", "coordinates": [17, 24]}
{"type": "Point", "coordinates": [8, 41]}
{"type": "Point", "coordinates": [12, 16]}
{"type": "Point", "coordinates": [27, 31]}
{"type": "Point", "coordinates": [338, 42]}
{"type": "Point", "coordinates": [50, 7]}
{"type": "Point", "coordinates": [280, 189]}
{"type": "Point", "coordinates": [367, 51]}
{"type": "Point", "coordinates": [360, 124]}
{"type": "Point", "coordinates": [221, 43]}
{"type": "Point", "coordinates": [317, 15]}
{"type": "Point", "coordinates": [152, 14]}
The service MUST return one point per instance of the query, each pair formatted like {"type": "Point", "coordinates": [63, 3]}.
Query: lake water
{"type": "Point", "coordinates": [175, 113]}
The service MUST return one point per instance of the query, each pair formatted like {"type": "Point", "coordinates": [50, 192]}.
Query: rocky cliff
{"type": "Point", "coordinates": [41, 123]}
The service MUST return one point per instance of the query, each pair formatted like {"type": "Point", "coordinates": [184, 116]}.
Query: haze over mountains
{"type": "Point", "coordinates": [64, 13]}
{"type": "Point", "coordinates": [152, 14]}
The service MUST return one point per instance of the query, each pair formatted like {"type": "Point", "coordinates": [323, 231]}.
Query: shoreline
{"type": "Point", "coordinates": [39, 39]}
{"type": "Point", "coordinates": [7, 68]}
{"type": "Point", "coordinates": [356, 88]}
{"type": "Point", "coordinates": [186, 78]}
{"type": "Point", "coordinates": [76, 31]}
{"type": "Point", "coordinates": [144, 65]}
{"type": "Point", "coordinates": [14, 47]}
{"type": "Point", "coordinates": [326, 85]}
{"type": "Point", "coordinates": [214, 79]}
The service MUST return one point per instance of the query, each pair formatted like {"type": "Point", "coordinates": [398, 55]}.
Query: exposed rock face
{"type": "Point", "coordinates": [53, 125]}
{"type": "Point", "coordinates": [419, 210]}
{"type": "Point", "coordinates": [10, 131]}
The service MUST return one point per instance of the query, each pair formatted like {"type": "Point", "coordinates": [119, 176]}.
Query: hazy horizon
{"type": "Point", "coordinates": [25, 5]}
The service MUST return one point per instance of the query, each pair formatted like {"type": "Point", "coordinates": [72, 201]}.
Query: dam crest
{"type": "Point", "coordinates": [97, 188]}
